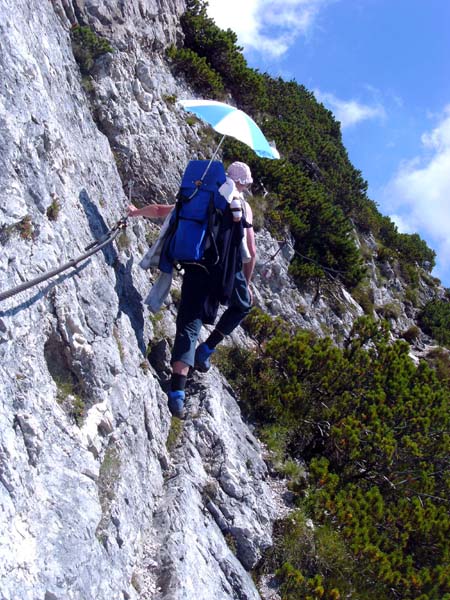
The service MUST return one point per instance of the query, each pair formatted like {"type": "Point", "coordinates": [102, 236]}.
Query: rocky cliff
{"type": "Point", "coordinates": [100, 497]}
{"type": "Point", "coordinates": [93, 505]}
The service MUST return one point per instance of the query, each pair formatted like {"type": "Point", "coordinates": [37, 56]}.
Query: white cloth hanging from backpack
{"type": "Point", "coordinates": [152, 256]}
{"type": "Point", "coordinates": [159, 292]}
{"type": "Point", "coordinates": [228, 190]}
{"type": "Point", "coordinates": [161, 288]}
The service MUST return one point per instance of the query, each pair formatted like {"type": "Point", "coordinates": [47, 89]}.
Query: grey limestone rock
{"type": "Point", "coordinates": [217, 494]}
{"type": "Point", "coordinates": [328, 310]}
{"type": "Point", "coordinates": [86, 480]}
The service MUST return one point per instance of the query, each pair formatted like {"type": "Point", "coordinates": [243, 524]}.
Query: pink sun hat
{"type": "Point", "coordinates": [240, 172]}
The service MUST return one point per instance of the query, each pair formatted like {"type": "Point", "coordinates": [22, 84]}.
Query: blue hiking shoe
{"type": "Point", "coordinates": [203, 358]}
{"type": "Point", "coordinates": [176, 403]}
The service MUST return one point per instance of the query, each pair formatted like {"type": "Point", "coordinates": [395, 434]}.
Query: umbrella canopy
{"type": "Point", "coordinates": [228, 120]}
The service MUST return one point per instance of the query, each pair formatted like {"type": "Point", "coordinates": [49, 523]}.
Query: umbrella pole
{"type": "Point", "coordinates": [212, 158]}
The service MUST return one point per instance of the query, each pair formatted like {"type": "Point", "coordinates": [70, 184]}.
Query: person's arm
{"type": "Point", "coordinates": [153, 211]}
{"type": "Point", "coordinates": [249, 267]}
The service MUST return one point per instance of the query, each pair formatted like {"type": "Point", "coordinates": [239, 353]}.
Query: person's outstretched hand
{"type": "Point", "coordinates": [132, 210]}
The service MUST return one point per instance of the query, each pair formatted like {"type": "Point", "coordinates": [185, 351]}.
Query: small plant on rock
{"type": "Point", "coordinates": [175, 431]}
{"type": "Point", "coordinates": [176, 296]}
{"type": "Point", "coordinates": [170, 99]}
{"type": "Point", "coordinates": [107, 487]}
{"type": "Point", "coordinates": [54, 209]}
{"type": "Point", "coordinates": [191, 121]}
{"type": "Point", "coordinates": [68, 398]}
{"type": "Point", "coordinates": [116, 334]}
{"type": "Point", "coordinates": [87, 46]}
{"type": "Point", "coordinates": [25, 228]}
{"type": "Point", "coordinates": [123, 241]}
{"type": "Point", "coordinates": [5, 234]}
{"type": "Point", "coordinates": [87, 84]}
{"type": "Point", "coordinates": [231, 542]}
{"type": "Point", "coordinates": [392, 310]}
{"type": "Point", "coordinates": [411, 334]}
{"type": "Point", "coordinates": [210, 490]}
{"type": "Point", "coordinates": [363, 295]}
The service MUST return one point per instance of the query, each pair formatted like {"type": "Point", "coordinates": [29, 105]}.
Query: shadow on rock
{"type": "Point", "coordinates": [10, 312]}
{"type": "Point", "coordinates": [130, 301]}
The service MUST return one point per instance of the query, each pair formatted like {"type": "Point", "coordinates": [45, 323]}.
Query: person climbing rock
{"type": "Point", "coordinates": [197, 289]}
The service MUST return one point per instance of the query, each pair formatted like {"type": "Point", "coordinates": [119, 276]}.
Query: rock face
{"type": "Point", "coordinates": [214, 519]}
{"type": "Point", "coordinates": [87, 485]}
{"type": "Point", "coordinates": [98, 500]}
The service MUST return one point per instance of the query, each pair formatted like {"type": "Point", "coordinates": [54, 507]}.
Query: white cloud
{"type": "Point", "coordinates": [439, 138]}
{"type": "Point", "coordinates": [419, 192]}
{"type": "Point", "coordinates": [350, 112]}
{"type": "Point", "coordinates": [268, 26]}
{"type": "Point", "coordinates": [402, 225]}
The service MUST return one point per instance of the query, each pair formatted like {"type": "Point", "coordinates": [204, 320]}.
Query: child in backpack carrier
{"type": "Point", "coordinates": [196, 289]}
{"type": "Point", "coordinates": [235, 197]}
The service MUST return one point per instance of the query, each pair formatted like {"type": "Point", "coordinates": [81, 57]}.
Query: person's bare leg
{"type": "Point", "coordinates": [180, 368]}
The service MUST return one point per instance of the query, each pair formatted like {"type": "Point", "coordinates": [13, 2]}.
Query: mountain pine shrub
{"type": "Point", "coordinates": [373, 429]}
{"type": "Point", "coordinates": [87, 46]}
{"type": "Point", "coordinates": [435, 320]}
{"type": "Point", "coordinates": [197, 70]}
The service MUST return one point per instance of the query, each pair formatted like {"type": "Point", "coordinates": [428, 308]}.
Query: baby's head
{"type": "Point", "coordinates": [240, 173]}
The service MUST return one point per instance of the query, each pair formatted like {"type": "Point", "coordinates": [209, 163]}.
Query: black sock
{"type": "Point", "coordinates": [215, 338]}
{"type": "Point", "coordinates": [178, 382]}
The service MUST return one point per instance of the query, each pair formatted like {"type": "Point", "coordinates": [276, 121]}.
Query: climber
{"type": "Point", "coordinates": [196, 289]}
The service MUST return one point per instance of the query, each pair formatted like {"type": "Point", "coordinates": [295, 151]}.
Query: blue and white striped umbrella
{"type": "Point", "coordinates": [228, 120]}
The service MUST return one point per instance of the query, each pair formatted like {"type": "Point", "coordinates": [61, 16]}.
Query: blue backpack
{"type": "Point", "coordinates": [197, 217]}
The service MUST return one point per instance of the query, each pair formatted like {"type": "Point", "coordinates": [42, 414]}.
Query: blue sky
{"type": "Point", "coordinates": [379, 65]}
